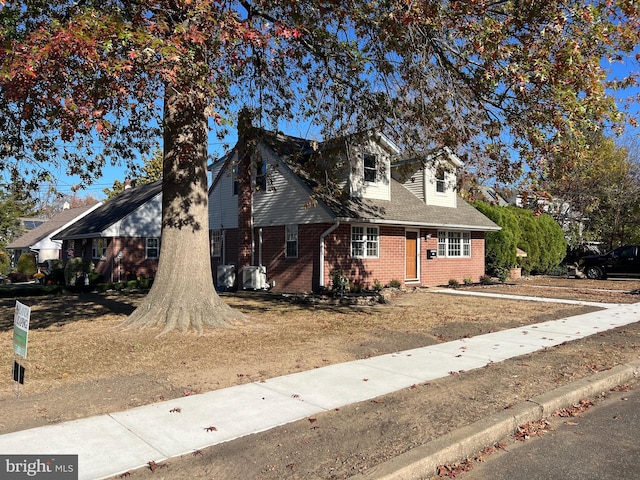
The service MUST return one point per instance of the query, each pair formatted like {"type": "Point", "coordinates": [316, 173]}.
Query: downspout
{"type": "Point", "coordinates": [260, 247]}
{"type": "Point", "coordinates": [322, 237]}
{"type": "Point", "coordinates": [224, 246]}
{"type": "Point", "coordinates": [253, 236]}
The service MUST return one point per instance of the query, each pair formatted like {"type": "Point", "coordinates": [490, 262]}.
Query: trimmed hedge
{"type": "Point", "coordinates": [539, 235]}
{"type": "Point", "coordinates": [27, 264]}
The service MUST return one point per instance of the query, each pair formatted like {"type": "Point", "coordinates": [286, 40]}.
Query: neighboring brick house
{"type": "Point", "coordinates": [386, 221]}
{"type": "Point", "coordinates": [121, 237]}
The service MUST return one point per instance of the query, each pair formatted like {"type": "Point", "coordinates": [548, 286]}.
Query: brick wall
{"type": "Point", "coordinates": [439, 271]}
{"type": "Point", "coordinates": [133, 263]}
{"type": "Point", "coordinates": [301, 274]}
{"type": "Point", "coordinates": [389, 266]}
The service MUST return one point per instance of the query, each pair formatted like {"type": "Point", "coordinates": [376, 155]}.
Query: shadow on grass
{"type": "Point", "coordinates": [61, 309]}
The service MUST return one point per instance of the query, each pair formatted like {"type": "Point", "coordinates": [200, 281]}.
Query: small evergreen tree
{"type": "Point", "coordinates": [27, 264]}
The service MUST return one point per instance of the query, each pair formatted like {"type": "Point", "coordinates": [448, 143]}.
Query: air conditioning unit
{"type": "Point", "coordinates": [226, 276]}
{"type": "Point", "coordinates": [254, 278]}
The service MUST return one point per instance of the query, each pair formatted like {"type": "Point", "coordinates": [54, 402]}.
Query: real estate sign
{"type": "Point", "coordinates": [21, 329]}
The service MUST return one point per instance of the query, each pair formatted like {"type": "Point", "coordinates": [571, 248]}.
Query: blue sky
{"type": "Point", "coordinates": [217, 148]}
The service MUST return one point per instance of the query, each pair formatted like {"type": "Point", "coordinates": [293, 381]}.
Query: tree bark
{"type": "Point", "coordinates": [183, 295]}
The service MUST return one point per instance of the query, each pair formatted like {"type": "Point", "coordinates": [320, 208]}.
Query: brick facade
{"type": "Point", "coordinates": [133, 263]}
{"type": "Point", "coordinates": [301, 274]}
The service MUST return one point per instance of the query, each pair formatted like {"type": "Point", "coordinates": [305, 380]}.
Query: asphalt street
{"type": "Point", "coordinates": [602, 444]}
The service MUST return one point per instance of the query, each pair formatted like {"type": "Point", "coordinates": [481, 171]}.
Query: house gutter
{"type": "Point", "coordinates": [443, 226]}
{"type": "Point", "coordinates": [322, 238]}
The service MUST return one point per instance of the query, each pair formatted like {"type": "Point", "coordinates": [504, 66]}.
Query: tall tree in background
{"type": "Point", "coordinates": [84, 82]}
{"type": "Point", "coordinates": [149, 172]}
{"type": "Point", "coordinates": [599, 201]}
{"type": "Point", "coordinates": [616, 218]}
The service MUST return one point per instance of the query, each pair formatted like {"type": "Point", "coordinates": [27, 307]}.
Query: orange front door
{"type": "Point", "coordinates": [411, 252]}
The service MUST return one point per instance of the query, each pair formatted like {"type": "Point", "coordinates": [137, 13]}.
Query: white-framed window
{"type": "Point", "coordinates": [216, 243]}
{"type": "Point", "coordinates": [261, 176]}
{"type": "Point", "coordinates": [370, 166]}
{"type": "Point", "coordinates": [152, 248]}
{"type": "Point", "coordinates": [454, 244]}
{"type": "Point", "coordinates": [364, 241]}
{"type": "Point", "coordinates": [99, 248]}
{"type": "Point", "coordinates": [235, 180]}
{"type": "Point", "coordinates": [441, 176]}
{"type": "Point", "coordinates": [291, 249]}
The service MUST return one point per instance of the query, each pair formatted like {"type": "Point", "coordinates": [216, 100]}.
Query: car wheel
{"type": "Point", "coordinates": [594, 273]}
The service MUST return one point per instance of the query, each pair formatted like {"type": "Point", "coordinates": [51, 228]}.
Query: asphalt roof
{"type": "Point", "coordinates": [48, 227]}
{"type": "Point", "coordinates": [113, 210]}
{"type": "Point", "coordinates": [403, 208]}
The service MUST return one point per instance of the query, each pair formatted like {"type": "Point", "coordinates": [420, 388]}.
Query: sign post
{"type": "Point", "coordinates": [20, 336]}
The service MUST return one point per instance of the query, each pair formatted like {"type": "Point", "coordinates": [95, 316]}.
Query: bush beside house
{"type": "Point", "coordinates": [539, 236]}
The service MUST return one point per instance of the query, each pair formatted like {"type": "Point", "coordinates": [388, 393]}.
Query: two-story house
{"type": "Point", "coordinates": [341, 205]}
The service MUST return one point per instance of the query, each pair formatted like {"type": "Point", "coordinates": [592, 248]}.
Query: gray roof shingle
{"type": "Point", "coordinates": [56, 222]}
{"type": "Point", "coordinates": [111, 211]}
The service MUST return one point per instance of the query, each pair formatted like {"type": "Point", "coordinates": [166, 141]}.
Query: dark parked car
{"type": "Point", "coordinates": [621, 262]}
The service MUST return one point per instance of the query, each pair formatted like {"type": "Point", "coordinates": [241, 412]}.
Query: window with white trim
{"type": "Point", "coordinates": [291, 233]}
{"type": "Point", "coordinates": [216, 243]}
{"type": "Point", "coordinates": [454, 244]}
{"type": "Point", "coordinates": [99, 248]}
{"type": "Point", "coordinates": [152, 248]}
{"type": "Point", "coordinates": [364, 241]}
{"type": "Point", "coordinates": [370, 166]}
{"type": "Point", "coordinates": [441, 186]}
{"type": "Point", "coordinates": [261, 176]}
{"type": "Point", "coordinates": [235, 180]}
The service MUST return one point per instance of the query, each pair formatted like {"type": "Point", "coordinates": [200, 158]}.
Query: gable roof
{"type": "Point", "coordinates": [403, 207]}
{"type": "Point", "coordinates": [51, 226]}
{"type": "Point", "coordinates": [110, 212]}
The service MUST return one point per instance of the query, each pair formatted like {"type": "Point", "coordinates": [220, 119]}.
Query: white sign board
{"type": "Point", "coordinates": [21, 329]}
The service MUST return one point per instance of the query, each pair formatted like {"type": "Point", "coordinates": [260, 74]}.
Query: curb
{"type": "Point", "coordinates": [465, 442]}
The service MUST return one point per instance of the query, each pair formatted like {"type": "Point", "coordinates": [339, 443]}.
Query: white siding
{"type": "Point", "coordinates": [145, 221]}
{"type": "Point", "coordinates": [287, 200]}
{"type": "Point", "coordinates": [223, 204]}
{"type": "Point", "coordinates": [381, 188]}
{"type": "Point", "coordinates": [416, 184]}
{"type": "Point", "coordinates": [446, 199]}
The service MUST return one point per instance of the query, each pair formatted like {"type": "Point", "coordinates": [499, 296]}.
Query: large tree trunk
{"type": "Point", "coordinates": [183, 294]}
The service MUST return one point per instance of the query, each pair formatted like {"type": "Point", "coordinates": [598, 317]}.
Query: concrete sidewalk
{"type": "Point", "coordinates": [111, 444]}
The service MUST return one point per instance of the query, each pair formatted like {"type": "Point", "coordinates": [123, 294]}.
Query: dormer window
{"type": "Point", "coordinates": [441, 186]}
{"type": "Point", "coordinates": [370, 167]}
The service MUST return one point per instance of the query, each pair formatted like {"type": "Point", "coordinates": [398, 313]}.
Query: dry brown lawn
{"type": "Point", "coordinates": [81, 363]}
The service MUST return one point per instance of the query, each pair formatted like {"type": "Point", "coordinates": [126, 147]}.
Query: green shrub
{"type": "Point", "coordinates": [453, 283]}
{"type": "Point", "coordinates": [486, 280]}
{"type": "Point", "coordinates": [538, 235]}
{"type": "Point", "coordinates": [94, 278]}
{"type": "Point", "coordinates": [145, 283]}
{"type": "Point", "coordinates": [395, 284]}
{"type": "Point", "coordinates": [468, 281]}
{"type": "Point", "coordinates": [502, 273]}
{"type": "Point", "coordinates": [75, 270]}
{"type": "Point", "coordinates": [27, 264]}
{"type": "Point", "coordinates": [5, 263]}
{"type": "Point", "coordinates": [377, 285]}
{"type": "Point", "coordinates": [339, 283]}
